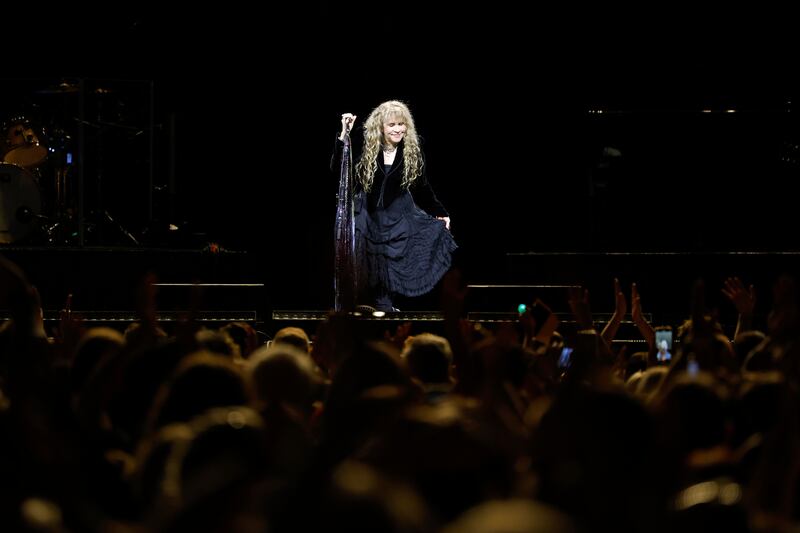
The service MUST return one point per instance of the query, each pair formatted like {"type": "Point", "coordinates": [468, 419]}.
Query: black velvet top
{"type": "Point", "coordinates": [421, 190]}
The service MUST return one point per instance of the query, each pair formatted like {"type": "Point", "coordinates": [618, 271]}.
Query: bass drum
{"type": "Point", "coordinates": [20, 203]}
{"type": "Point", "coordinates": [23, 143]}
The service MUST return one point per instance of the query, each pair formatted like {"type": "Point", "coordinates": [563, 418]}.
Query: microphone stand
{"type": "Point", "coordinates": [345, 275]}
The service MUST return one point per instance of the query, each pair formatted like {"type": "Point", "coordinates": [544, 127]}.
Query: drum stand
{"type": "Point", "coordinates": [106, 218]}
{"type": "Point", "coordinates": [102, 213]}
{"type": "Point", "coordinates": [100, 218]}
{"type": "Point", "coordinates": [62, 227]}
{"type": "Point", "coordinates": [73, 218]}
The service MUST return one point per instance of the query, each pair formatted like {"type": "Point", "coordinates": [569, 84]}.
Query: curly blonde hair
{"type": "Point", "coordinates": [373, 142]}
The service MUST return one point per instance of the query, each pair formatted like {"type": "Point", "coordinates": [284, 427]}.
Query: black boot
{"type": "Point", "coordinates": [383, 302]}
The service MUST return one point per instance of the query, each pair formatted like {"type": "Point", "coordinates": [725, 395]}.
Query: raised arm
{"type": "Point", "coordinates": [457, 331]}
{"type": "Point", "coordinates": [348, 119]}
{"type": "Point", "coordinates": [537, 335]}
{"type": "Point", "coordinates": [641, 322]}
{"type": "Point", "coordinates": [620, 309]}
{"type": "Point", "coordinates": [744, 299]}
{"type": "Point", "coordinates": [578, 300]}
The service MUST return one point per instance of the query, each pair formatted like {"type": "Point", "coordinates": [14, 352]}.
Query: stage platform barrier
{"type": "Point", "coordinates": [225, 284]}
{"type": "Point", "coordinates": [433, 322]}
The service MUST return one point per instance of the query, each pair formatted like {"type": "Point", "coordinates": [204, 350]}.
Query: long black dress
{"type": "Point", "coordinates": [400, 244]}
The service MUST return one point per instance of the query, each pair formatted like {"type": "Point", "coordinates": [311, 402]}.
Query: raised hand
{"type": "Point", "coordinates": [644, 327]}
{"type": "Point", "coordinates": [701, 325]}
{"type": "Point", "coordinates": [70, 329]}
{"type": "Point", "coordinates": [348, 119]}
{"type": "Point", "coordinates": [547, 329]}
{"type": "Point", "coordinates": [401, 333]}
{"type": "Point", "coordinates": [743, 298]}
{"type": "Point", "coordinates": [636, 305]}
{"type": "Point", "coordinates": [579, 304]}
{"type": "Point", "coordinates": [621, 304]}
{"type": "Point", "coordinates": [620, 308]}
{"type": "Point", "coordinates": [541, 330]}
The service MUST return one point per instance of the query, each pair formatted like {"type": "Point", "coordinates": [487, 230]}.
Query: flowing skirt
{"type": "Point", "coordinates": [403, 249]}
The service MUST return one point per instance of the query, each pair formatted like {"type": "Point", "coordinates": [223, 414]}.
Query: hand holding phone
{"type": "Point", "coordinates": [539, 322]}
{"type": "Point", "coordinates": [565, 358]}
{"type": "Point", "coordinates": [538, 312]}
{"type": "Point", "coordinates": [663, 344]}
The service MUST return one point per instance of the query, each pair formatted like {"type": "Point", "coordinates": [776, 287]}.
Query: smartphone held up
{"type": "Point", "coordinates": [664, 344]}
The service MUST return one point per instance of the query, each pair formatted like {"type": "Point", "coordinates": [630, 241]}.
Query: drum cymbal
{"type": "Point", "coordinates": [61, 88]}
{"type": "Point", "coordinates": [71, 88]}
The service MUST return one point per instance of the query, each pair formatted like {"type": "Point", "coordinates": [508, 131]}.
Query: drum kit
{"type": "Point", "coordinates": [34, 173]}
{"type": "Point", "coordinates": [72, 152]}
{"type": "Point", "coordinates": [24, 148]}
{"type": "Point", "coordinates": [38, 199]}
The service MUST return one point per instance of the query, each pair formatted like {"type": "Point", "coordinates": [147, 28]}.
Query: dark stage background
{"type": "Point", "coordinates": [545, 130]}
